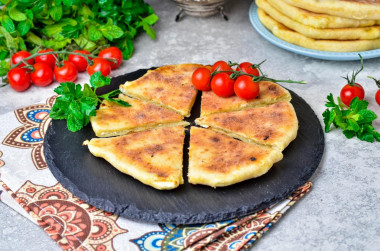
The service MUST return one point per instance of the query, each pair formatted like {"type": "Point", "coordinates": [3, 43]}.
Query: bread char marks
{"type": "Point", "coordinates": [274, 125]}
{"type": "Point", "coordinates": [149, 115]}
{"type": "Point", "coordinates": [238, 122]}
{"type": "Point", "coordinates": [218, 160]}
{"type": "Point", "coordinates": [154, 157]}
{"type": "Point", "coordinates": [169, 86]}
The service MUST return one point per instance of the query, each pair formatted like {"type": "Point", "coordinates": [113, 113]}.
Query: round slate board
{"type": "Point", "coordinates": [95, 181]}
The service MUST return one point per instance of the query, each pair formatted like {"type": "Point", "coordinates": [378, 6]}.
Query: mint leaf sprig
{"type": "Point", "coordinates": [77, 105]}
{"type": "Point", "coordinates": [355, 120]}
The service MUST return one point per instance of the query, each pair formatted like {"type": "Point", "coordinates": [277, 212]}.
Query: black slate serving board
{"type": "Point", "coordinates": [95, 181]}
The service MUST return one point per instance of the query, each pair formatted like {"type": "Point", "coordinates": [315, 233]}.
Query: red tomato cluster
{"type": "Point", "coordinates": [46, 67]}
{"type": "Point", "coordinates": [223, 85]}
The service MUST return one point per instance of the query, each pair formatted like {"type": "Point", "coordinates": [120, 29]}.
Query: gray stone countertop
{"type": "Point", "coordinates": [343, 208]}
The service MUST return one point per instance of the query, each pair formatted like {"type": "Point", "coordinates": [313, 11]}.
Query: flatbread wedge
{"type": "Point", "coordinates": [153, 157]}
{"type": "Point", "coordinates": [269, 93]}
{"type": "Point", "coordinates": [113, 120]}
{"type": "Point", "coordinates": [372, 32]}
{"type": "Point", "coordinates": [290, 36]}
{"type": "Point", "coordinates": [217, 160]}
{"type": "Point", "coordinates": [168, 86]}
{"type": "Point", "coordinates": [274, 125]}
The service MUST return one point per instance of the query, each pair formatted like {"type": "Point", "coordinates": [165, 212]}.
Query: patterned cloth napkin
{"type": "Point", "coordinates": [27, 185]}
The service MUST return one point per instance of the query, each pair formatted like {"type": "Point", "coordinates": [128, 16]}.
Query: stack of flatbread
{"type": "Point", "coordinates": [243, 139]}
{"type": "Point", "coordinates": [327, 25]}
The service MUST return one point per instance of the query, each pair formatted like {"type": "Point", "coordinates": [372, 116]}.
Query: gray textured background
{"type": "Point", "coordinates": [342, 209]}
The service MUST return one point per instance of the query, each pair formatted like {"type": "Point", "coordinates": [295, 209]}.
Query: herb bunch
{"type": "Point", "coordinates": [87, 24]}
{"type": "Point", "coordinates": [77, 105]}
{"type": "Point", "coordinates": [355, 120]}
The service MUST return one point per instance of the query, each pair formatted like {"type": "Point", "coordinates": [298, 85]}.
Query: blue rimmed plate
{"type": "Point", "coordinates": [326, 55]}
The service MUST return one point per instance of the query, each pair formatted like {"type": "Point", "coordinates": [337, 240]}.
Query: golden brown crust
{"type": "Point", "coordinates": [169, 86]}
{"type": "Point", "coordinates": [112, 119]}
{"type": "Point", "coordinates": [154, 157]}
{"type": "Point", "coordinates": [269, 93]}
{"type": "Point", "coordinates": [275, 125]}
{"type": "Point", "coordinates": [219, 160]}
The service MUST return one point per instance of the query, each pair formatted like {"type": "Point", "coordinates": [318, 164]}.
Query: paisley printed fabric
{"type": "Point", "coordinates": [75, 225]}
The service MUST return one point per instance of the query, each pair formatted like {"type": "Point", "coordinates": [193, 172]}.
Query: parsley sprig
{"type": "Point", "coordinates": [77, 105]}
{"type": "Point", "coordinates": [355, 120]}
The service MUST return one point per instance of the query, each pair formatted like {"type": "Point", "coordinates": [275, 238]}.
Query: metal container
{"type": "Point", "coordinates": [200, 8]}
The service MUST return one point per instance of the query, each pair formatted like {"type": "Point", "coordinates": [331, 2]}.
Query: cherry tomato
{"type": "Point", "coordinates": [112, 53]}
{"type": "Point", "coordinates": [19, 56]}
{"type": "Point", "coordinates": [42, 74]}
{"type": "Point", "coordinates": [100, 64]}
{"type": "Point", "coordinates": [66, 73]}
{"type": "Point", "coordinates": [19, 79]}
{"type": "Point", "coordinates": [221, 66]}
{"type": "Point", "coordinates": [47, 59]}
{"type": "Point", "coordinates": [349, 92]}
{"type": "Point", "coordinates": [201, 79]}
{"type": "Point", "coordinates": [246, 67]}
{"type": "Point", "coordinates": [222, 85]}
{"type": "Point", "coordinates": [79, 61]}
{"type": "Point", "coordinates": [377, 97]}
{"type": "Point", "coordinates": [245, 88]}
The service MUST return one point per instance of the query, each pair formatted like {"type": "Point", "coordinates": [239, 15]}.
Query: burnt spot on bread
{"type": "Point", "coordinates": [252, 158]}
{"type": "Point", "coordinates": [215, 139]}
{"type": "Point", "coordinates": [266, 137]}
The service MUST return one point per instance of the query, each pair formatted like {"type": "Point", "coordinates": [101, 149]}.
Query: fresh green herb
{"type": "Point", "coordinates": [87, 24]}
{"type": "Point", "coordinates": [355, 120]}
{"type": "Point", "coordinates": [77, 105]}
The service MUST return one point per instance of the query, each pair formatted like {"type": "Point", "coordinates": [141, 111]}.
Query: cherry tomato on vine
{"type": "Point", "coordinates": [19, 79]}
{"type": "Point", "coordinates": [377, 97]}
{"type": "Point", "coordinates": [47, 59]}
{"type": "Point", "coordinates": [42, 75]}
{"type": "Point", "coordinates": [221, 66]}
{"type": "Point", "coordinates": [201, 79]}
{"type": "Point", "coordinates": [245, 88]}
{"type": "Point", "coordinates": [79, 61]}
{"type": "Point", "coordinates": [66, 73]}
{"type": "Point", "coordinates": [112, 53]}
{"type": "Point", "coordinates": [100, 64]}
{"type": "Point", "coordinates": [19, 56]}
{"type": "Point", "coordinates": [349, 92]}
{"type": "Point", "coordinates": [222, 85]}
{"type": "Point", "coordinates": [246, 67]}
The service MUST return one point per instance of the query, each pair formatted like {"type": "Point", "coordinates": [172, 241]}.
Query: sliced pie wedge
{"type": "Point", "coordinates": [274, 125]}
{"type": "Point", "coordinates": [153, 157]}
{"type": "Point", "coordinates": [217, 160]}
{"type": "Point", "coordinates": [113, 120]}
{"type": "Point", "coordinates": [270, 93]}
{"type": "Point", "coordinates": [168, 86]}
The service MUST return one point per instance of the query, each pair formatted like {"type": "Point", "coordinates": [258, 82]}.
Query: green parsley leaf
{"type": "Point", "coordinates": [16, 15]}
{"type": "Point", "coordinates": [77, 105]}
{"type": "Point", "coordinates": [8, 24]}
{"type": "Point", "coordinates": [98, 80]}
